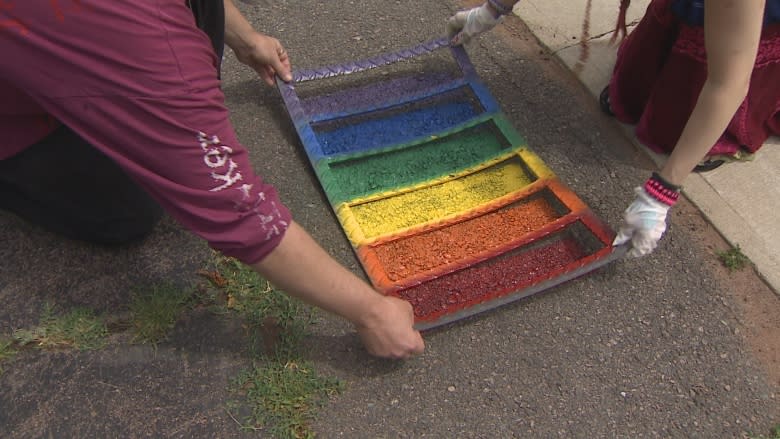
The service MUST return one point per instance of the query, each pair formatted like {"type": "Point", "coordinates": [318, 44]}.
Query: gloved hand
{"type": "Point", "coordinates": [465, 25]}
{"type": "Point", "coordinates": [644, 222]}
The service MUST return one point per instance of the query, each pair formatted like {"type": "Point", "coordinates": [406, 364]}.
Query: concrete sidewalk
{"type": "Point", "coordinates": [741, 200]}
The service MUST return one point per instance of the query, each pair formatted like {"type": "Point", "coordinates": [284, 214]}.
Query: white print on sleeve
{"type": "Point", "coordinates": [271, 224]}
{"type": "Point", "coordinates": [217, 158]}
{"type": "Point", "coordinates": [225, 171]}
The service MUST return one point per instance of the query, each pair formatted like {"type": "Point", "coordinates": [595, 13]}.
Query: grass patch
{"type": "Point", "coordinates": [281, 389]}
{"type": "Point", "coordinates": [284, 397]}
{"type": "Point", "coordinates": [733, 259]}
{"type": "Point", "coordinates": [774, 433]}
{"type": "Point", "coordinates": [78, 329]}
{"type": "Point", "coordinates": [7, 351]}
{"type": "Point", "coordinates": [276, 321]}
{"type": "Point", "coordinates": [154, 313]}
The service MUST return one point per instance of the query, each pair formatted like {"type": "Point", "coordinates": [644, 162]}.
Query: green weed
{"type": "Point", "coordinates": [281, 389]}
{"type": "Point", "coordinates": [774, 433]}
{"type": "Point", "coordinates": [733, 259]}
{"type": "Point", "coordinates": [154, 313]}
{"type": "Point", "coordinates": [276, 320]}
{"type": "Point", "coordinates": [284, 397]}
{"type": "Point", "coordinates": [7, 351]}
{"type": "Point", "coordinates": [78, 329]}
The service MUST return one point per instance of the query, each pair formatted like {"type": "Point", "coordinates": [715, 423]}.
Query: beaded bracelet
{"type": "Point", "coordinates": [662, 190]}
{"type": "Point", "coordinates": [501, 8]}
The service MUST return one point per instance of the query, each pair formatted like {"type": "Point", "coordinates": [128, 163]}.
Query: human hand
{"type": "Point", "coordinates": [388, 331]}
{"type": "Point", "coordinates": [267, 57]}
{"type": "Point", "coordinates": [644, 222]}
{"type": "Point", "coordinates": [465, 25]}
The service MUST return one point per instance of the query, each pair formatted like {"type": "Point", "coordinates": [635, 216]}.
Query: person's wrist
{"type": "Point", "coordinates": [372, 310]}
{"type": "Point", "coordinates": [661, 190]}
{"type": "Point", "coordinates": [492, 10]}
{"type": "Point", "coordinates": [497, 8]}
{"type": "Point", "coordinates": [244, 44]}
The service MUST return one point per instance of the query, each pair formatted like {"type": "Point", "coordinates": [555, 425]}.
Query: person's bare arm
{"type": "Point", "coordinates": [732, 30]}
{"type": "Point", "coordinates": [303, 269]}
{"type": "Point", "coordinates": [263, 53]}
{"type": "Point", "coordinates": [298, 265]}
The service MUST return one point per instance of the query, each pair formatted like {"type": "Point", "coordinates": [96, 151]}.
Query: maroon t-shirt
{"type": "Point", "coordinates": [138, 81]}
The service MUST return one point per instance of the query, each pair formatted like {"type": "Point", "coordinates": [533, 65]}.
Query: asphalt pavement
{"type": "Point", "coordinates": [655, 347]}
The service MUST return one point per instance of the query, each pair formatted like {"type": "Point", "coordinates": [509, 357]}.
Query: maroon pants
{"type": "Point", "coordinates": [660, 71]}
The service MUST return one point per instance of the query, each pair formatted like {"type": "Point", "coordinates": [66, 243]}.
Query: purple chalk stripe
{"type": "Point", "coordinates": [370, 63]}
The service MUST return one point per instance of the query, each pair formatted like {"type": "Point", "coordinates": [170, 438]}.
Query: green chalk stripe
{"type": "Point", "coordinates": [360, 175]}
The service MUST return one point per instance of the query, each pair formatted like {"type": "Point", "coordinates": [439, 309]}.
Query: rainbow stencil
{"type": "Point", "coordinates": [442, 200]}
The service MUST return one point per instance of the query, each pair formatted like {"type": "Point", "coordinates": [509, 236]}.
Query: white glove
{"type": "Point", "coordinates": [644, 222]}
{"type": "Point", "coordinates": [465, 25]}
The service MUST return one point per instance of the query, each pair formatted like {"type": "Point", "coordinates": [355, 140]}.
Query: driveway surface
{"type": "Point", "coordinates": [671, 345]}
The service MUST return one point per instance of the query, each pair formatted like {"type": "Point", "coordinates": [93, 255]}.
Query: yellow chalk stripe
{"type": "Point", "coordinates": [535, 164]}
{"type": "Point", "coordinates": [438, 201]}
{"type": "Point", "coordinates": [350, 226]}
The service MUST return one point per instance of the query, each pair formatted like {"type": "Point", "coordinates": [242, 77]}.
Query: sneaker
{"type": "Point", "coordinates": [604, 102]}
{"type": "Point", "coordinates": [708, 164]}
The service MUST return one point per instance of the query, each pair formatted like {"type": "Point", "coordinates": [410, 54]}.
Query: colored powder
{"type": "Point", "coordinates": [426, 251]}
{"type": "Point", "coordinates": [415, 164]}
{"type": "Point", "coordinates": [492, 279]}
{"type": "Point", "coordinates": [365, 134]}
{"type": "Point", "coordinates": [377, 94]}
{"type": "Point", "coordinates": [442, 200]}
{"type": "Point", "coordinates": [397, 127]}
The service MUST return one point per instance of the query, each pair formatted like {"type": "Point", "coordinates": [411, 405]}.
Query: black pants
{"type": "Point", "coordinates": [210, 18]}
{"type": "Point", "coordinates": [66, 186]}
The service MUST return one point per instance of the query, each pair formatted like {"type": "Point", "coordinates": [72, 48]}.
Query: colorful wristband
{"type": "Point", "coordinates": [501, 8]}
{"type": "Point", "coordinates": [662, 190]}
